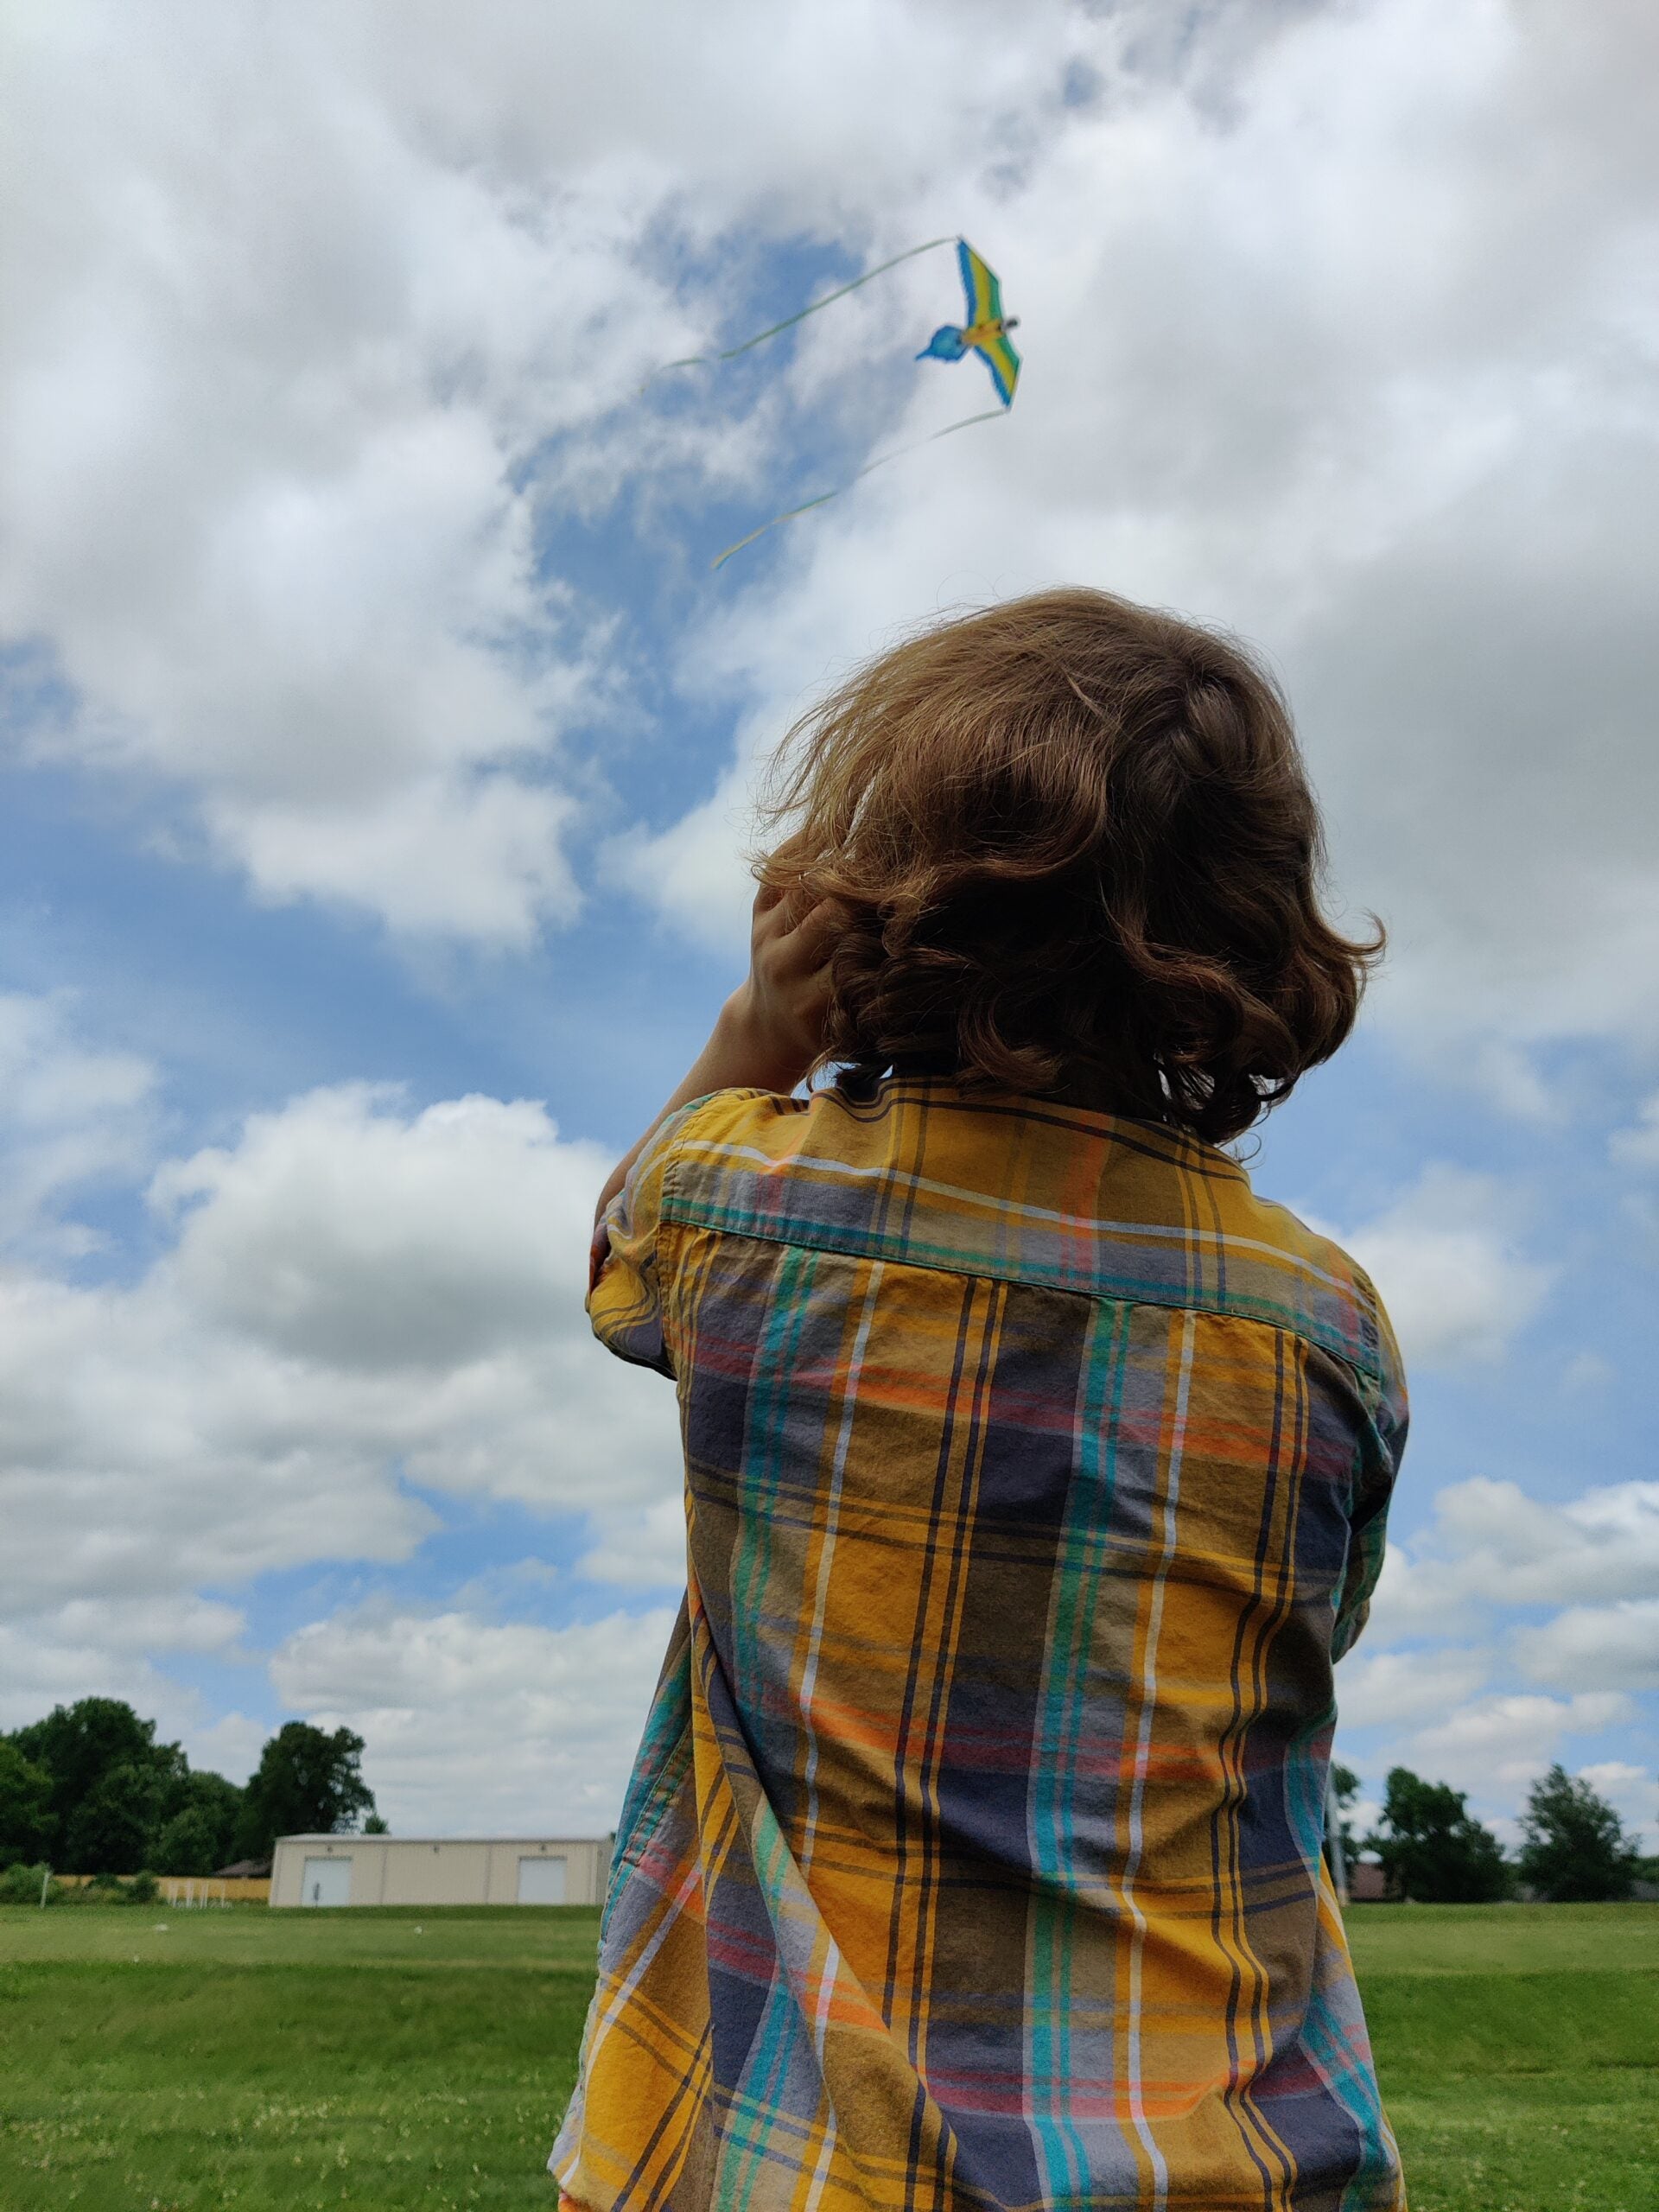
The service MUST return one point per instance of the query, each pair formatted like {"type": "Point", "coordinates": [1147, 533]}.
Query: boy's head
{"type": "Point", "coordinates": [1080, 858]}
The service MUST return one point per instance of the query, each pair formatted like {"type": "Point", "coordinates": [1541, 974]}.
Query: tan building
{"type": "Point", "coordinates": [445, 1870]}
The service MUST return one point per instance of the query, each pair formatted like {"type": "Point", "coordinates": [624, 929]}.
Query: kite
{"type": "Point", "coordinates": [985, 332]}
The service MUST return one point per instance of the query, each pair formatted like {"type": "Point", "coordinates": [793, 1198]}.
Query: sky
{"type": "Point", "coordinates": [377, 742]}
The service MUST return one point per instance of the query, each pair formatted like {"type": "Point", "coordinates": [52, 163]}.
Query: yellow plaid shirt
{"type": "Point", "coordinates": [1035, 1476]}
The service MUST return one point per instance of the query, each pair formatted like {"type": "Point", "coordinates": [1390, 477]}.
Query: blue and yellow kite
{"type": "Point", "coordinates": [986, 330]}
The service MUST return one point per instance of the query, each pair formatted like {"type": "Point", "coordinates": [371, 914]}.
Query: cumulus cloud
{"type": "Point", "coordinates": [1496, 1746]}
{"type": "Point", "coordinates": [477, 1728]}
{"type": "Point", "coordinates": [1354, 352]}
{"type": "Point", "coordinates": [1445, 1258]}
{"type": "Point", "coordinates": [356, 1295]}
{"type": "Point", "coordinates": [1490, 1545]}
{"type": "Point", "coordinates": [641, 1550]}
{"type": "Point", "coordinates": [1615, 1645]}
{"type": "Point", "coordinates": [72, 1114]}
{"type": "Point", "coordinates": [318, 322]}
{"type": "Point", "coordinates": [1591, 1563]}
{"type": "Point", "coordinates": [1391, 1688]}
{"type": "Point", "coordinates": [1632, 1791]}
{"type": "Point", "coordinates": [94, 1648]}
{"type": "Point", "coordinates": [1492, 1746]}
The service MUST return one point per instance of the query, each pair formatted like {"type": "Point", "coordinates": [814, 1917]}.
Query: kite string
{"type": "Point", "coordinates": [701, 360]}
{"type": "Point", "coordinates": [990, 415]}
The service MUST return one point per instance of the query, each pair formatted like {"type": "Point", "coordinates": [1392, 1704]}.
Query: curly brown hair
{"type": "Point", "coordinates": [1079, 858]}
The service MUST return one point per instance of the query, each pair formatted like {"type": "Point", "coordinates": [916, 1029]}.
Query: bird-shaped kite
{"type": "Point", "coordinates": [985, 332]}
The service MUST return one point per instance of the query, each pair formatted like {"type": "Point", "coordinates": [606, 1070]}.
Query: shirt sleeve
{"type": "Point", "coordinates": [1382, 1442]}
{"type": "Point", "coordinates": [626, 1292]}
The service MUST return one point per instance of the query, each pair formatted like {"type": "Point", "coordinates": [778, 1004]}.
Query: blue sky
{"type": "Point", "coordinates": [378, 740]}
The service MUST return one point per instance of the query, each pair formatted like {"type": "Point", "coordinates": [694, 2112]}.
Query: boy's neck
{"type": "Point", "coordinates": [1094, 1094]}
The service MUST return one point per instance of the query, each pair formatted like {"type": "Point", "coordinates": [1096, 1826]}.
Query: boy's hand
{"type": "Point", "coordinates": [772, 1024]}
{"type": "Point", "coordinates": [771, 1029]}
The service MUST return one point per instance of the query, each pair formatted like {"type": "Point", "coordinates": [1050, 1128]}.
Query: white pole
{"type": "Point", "coordinates": [1333, 1838]}
{"type": "Point", "coordinates": [45, 1876]}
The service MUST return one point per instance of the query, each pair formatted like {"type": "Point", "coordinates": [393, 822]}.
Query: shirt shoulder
{"type": "Point", "coordinates": [626, 1291]}
{"type": "Point", "coordinates": [1025, 1191]}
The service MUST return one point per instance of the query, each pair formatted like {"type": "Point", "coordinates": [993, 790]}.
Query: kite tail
{"type": "Point", "coordinates": [706, 360]}
{"type": "Point", "coordinates": [990, 415]}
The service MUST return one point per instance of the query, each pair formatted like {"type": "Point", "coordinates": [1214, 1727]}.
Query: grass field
{"type": "Point", "coordinates": [171, 2061]}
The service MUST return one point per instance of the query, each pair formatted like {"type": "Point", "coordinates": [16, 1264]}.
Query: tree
{"type": "Point", "coordinates": [1432, 1848]}
{"type": "Point", "coordinates": [25, 1805]}
{"type": "Point", "coordinates": [111, 1791]}
{"type": "Point", "coordinates": [79, 1745]}
{"type": "Point", "coordinates": [307, 1782]}
{"type": "Point", "coordinates": [1345, 1787]}
{"type": "Point", "coordinates": [111, 1830]}
{"type": "Point", "coordinates": [215, 1806]}
{"type": "Point", "coordinates": [375, 1826]}
{"type": "Point", "coordinates": [188, 1844]}
{"type": "Point", "coordinates": [1576, 1850]}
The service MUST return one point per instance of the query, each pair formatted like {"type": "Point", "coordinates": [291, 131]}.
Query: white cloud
{"type": "Point", "coordinates": [1490, 1549]}
{"type": "Point", "coordinates": [475, 857]}
{"type": "Point", "coordinates": [642, 1550]}
{"type": "Point", "coordinates": [1445, 1258]}
{"type": "Point", "coordinates": [695, 873]}
{"type": "Point", "coordinates": [1390, 1687]}
{"type": "Point", "coordinates": [1614, 1647]}
{"type": "Point", "coordinates": [1353, 354]}
{"type": "Point", "coordinates": [317, 319]}
{"type": "Point", "coordinates": [72, 1114]}
{"type": "Point", "coordinates": [39, 1669]}
{"type": "Point", "coordinates": [1632, 1792]}
{"type": "Point", "coordinates": [342, 1230]}
{"type": "Point", "coordinates": [1638, 1146]}
{"type": "Point", "coordinates": [1489, 1545]}
{"type": "Point", "coordinates": [476, 1727]}
{"type": "Point", "coordinates": [356, 1292]}
{"type": "Point", "coordinates": [1496, 1746]}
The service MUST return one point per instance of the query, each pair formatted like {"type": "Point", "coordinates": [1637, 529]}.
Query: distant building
{"type": "Point", "coordinates": [1367, 1883]}
{"type": "Point", "coordinates": [444, 1870]}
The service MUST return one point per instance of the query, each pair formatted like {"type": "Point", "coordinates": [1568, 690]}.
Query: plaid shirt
{"type": "Point", "coordinates": [1035, 1475]}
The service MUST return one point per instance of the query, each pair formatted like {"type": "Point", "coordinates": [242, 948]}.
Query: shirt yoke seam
{"type": "Point", "coordinates": [678, 1211]}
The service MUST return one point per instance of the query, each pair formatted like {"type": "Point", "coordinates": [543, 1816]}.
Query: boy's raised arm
{"type": "Point", "coordinates": [768, 1033]}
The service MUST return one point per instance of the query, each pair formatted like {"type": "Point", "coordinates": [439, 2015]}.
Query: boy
{"type": "Point", "coordinates": [1035, 1477]}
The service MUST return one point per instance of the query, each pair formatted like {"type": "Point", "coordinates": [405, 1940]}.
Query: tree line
{"type": "Point", "coordinates": [89, 1790]}
{"type": "Point", "coordinates": [1433, 1850]}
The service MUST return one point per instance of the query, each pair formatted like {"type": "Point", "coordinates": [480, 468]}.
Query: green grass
{"type": "Point", "coordinates": [156, 2061]}
{"type": "Point", "coordinates": [1518, 2050]}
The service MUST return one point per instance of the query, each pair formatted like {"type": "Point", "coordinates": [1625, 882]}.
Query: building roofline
{"type": "Point", "coordinates": [323, 1836]}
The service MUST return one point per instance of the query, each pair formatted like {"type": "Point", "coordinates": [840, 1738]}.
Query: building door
{"type": "Point", "coordinates": [327, 1881]}
{"type": "Point", "coordinates": [541, 1881]}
